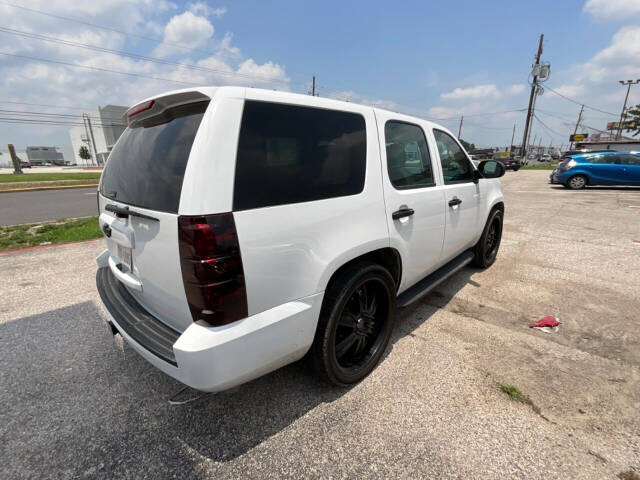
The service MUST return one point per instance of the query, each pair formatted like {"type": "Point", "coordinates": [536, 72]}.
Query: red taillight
{"type": "Point", "coordinates": [212, 268]}
{"type": "Point", "coordinates": [141, 107]}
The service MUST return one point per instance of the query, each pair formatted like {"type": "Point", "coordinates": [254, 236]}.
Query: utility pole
{"type": "Point", "coordinates": [624, 107]}
{"type": "Point", "coordinates": [17, 168]}
{"type": "Point", "coordinates": [460, 127]}
{"type": "Point", "coordinates": [92, 138]}
{"type": "Point", "coordinates": [313, 87]}
{"type": "Point", "coordinates": [575, 130]}
{"type": "Point", "coordinates": [512, 135]}
{"type": "Point", "coordinates": [534, 92]}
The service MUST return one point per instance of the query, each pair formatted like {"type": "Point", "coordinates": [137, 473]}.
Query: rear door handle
{"type": "Point", "coordinates": [454, 201]}
{"type": "Point", "coordinates": [403, 212]}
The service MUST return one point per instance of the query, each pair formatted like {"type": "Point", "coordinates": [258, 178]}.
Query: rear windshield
{"type": "Point", "coordinates": [146, 167]}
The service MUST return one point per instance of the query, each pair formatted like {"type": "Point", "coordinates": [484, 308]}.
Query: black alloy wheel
{"type": "Point", "coordinates": [357, 337]}
{"type": "Point", "coordinates": [355, 323]}
{"type": "Point", "coordinates": [486, 250]}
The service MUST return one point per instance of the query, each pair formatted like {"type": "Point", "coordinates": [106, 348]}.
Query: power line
{"type": "Point", "coordinates": [581, 123]}
{"type": "Point", "coordinates": [69, 43]}
{"type": "Point", "coordinates": [114, 121]}
{"type": "Point", "coordinates": [579, 103]}
{"type": "Point", "coordinates": [48, 122]}
{"type": "Point", "coordinates": [100, 69]}
{"type": "Point", "coordinates": [111, 29]}
{"type": "Point", "coordinates": [547, 128]}
{"type": "Point", "coordinates": [481, 114]}
{"type": "Point", "coordinates": [45, 105]}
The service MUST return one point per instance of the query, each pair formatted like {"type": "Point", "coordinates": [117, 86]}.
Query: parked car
{"type": "Point", "coordinates": [546, 158]}
{"type": "Point", "coordinates": [246, 228]}
{"type": "Point", "coordinates": [604, 168]}
{"type": "Point", "coordinates": [24, 164]}
{"type": "Point", "coordinates": [509, 162]}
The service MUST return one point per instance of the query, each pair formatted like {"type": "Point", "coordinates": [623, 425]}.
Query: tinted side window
{"type": "Point", "coordinates": [604, 159]}
{"type": "Point", "coordinates": [627, 159]}
{"type": "Point", "coordinates": [408, 160]}
{"type": "Point", "coordinates": [596, 159]}
{"type": "Point", "coordinates": [292, 154]}
{"type": "Point", "coordinates": [456, 167]}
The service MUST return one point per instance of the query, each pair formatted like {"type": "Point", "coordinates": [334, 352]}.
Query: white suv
{"type": "Point", "coordinates": [246, 228]}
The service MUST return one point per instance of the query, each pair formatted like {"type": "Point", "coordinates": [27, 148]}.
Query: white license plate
{"type": "Point", "coordinates": [124, 254]}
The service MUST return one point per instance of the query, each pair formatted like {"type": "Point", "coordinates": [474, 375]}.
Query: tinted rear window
{"type": "Point", "coordinates": [292, 154]}
{"type": "Point", "coordinates": [146, 167]}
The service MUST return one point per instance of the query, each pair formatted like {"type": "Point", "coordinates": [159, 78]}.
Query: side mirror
{"type": "Point", "coordinates": [491, 169]}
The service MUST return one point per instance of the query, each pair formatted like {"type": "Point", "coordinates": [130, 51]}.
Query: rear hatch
{"type": "Point", "coordinates": [139, 197]}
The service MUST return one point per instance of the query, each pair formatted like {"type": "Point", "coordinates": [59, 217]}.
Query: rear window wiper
{"type": "Point", "coordinates": [124, 212]}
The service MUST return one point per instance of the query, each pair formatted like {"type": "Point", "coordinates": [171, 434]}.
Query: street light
{"type": "Point", "coordinates": [624, 107]}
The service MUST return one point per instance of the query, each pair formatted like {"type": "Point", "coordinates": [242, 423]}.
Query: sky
{"type": "Point", "coordinates": [437, 60]}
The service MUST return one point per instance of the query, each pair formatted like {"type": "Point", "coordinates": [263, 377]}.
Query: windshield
{"type": "Point", "coordinates": [146, 167]}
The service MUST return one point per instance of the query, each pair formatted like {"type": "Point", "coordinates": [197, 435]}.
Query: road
{"type": "Point", "coordinates": [78, 403]}
{"type": "Point", "coordinates": [43, 205]}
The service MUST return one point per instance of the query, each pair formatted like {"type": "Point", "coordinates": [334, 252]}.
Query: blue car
{"type": "Point", "coordinates": [602, 168]}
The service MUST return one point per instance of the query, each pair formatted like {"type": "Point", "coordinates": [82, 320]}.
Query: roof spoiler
{"type": "Point", "coordinates": [157, 106]}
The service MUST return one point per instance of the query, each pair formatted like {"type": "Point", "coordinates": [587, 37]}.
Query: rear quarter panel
{"type": "Point", "coordinates": [291, 251]}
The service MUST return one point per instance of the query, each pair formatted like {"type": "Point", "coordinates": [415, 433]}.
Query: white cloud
{"type": "Point", "coordinates": [472, 93]}
{"type": "Point", "coordinates": [46, 83]}
{"type": "Point", "coordinates": [516, 89]}
{"type": "Point", "coordinates": [255, 74]}
{"type": "Point", "coordinates": [598, 76]}
{"type": "Point", "coordinates": [187, 30]}
{"type": "Point", "coordinates": [351, 96]}
{"type": "Point", "coordinates": [612, 9]}
{"type": "Point", "coordinates": [201, 8]}
{"type": "Point", "coordinates": [226, 50]}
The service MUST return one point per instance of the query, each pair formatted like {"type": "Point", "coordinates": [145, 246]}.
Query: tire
{"type": "Point", "coordinates": [577, 182]}
{"type": "Point", "coordinates": [516, 169]}
{"type": "Point", "coordinates": [350, 339]}
{"type": "Point", "coordinates": [486, 250]}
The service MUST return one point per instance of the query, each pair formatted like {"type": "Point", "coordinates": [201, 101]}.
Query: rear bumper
{"type": "Point", "coordinates": [217, 358]}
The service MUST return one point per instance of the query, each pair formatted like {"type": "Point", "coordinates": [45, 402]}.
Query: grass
{"type": "Point", "coordinates": [60, 231]}
{"type": "Point", "coordinates": [513, 392]}
{"type": "Point", "coordinates": [540, 166]}
{"type": "Point", "coordinates": [42, 177]}
{"type": "Point", "coordinates": [517, 396]}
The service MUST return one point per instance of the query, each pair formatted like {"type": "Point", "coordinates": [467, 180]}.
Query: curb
{"type": "Point", "coordinates": [38, 247]}
{"type": "Point", "coordinates": [52, 187]}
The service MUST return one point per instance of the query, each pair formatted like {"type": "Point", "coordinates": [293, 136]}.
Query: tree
{"type": "Point", "coordinates": [467, 146]}
{"type": "Point", "coordinates": [632, 120]}
{"type": "Point", "coordinates": [84, 153]}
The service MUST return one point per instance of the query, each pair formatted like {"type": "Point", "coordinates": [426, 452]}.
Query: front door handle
{"type": "Point", "coordinates": [454, 201]}
{"type": "Point", "coordinates": [403, 212]}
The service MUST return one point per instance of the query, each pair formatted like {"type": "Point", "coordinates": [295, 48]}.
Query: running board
{"type": "Point", "coordinates": [431, 281]}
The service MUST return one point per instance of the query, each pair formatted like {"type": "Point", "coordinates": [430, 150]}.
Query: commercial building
{"type": "Point", "coordinates": [99, 132]}
{"type": "Point", "coordinates": [42, 155]}
{"type": "Point", "coordinates": [600, 141]}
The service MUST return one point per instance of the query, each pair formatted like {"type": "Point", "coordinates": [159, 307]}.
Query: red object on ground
{"type": "Point", "coordinates": [548, 321]}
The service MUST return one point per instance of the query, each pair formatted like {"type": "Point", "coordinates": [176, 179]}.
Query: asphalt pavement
{"type": "Point", "coordinates": [79, 403]}
{"type": "Point", "coordinates": [42, 205]}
